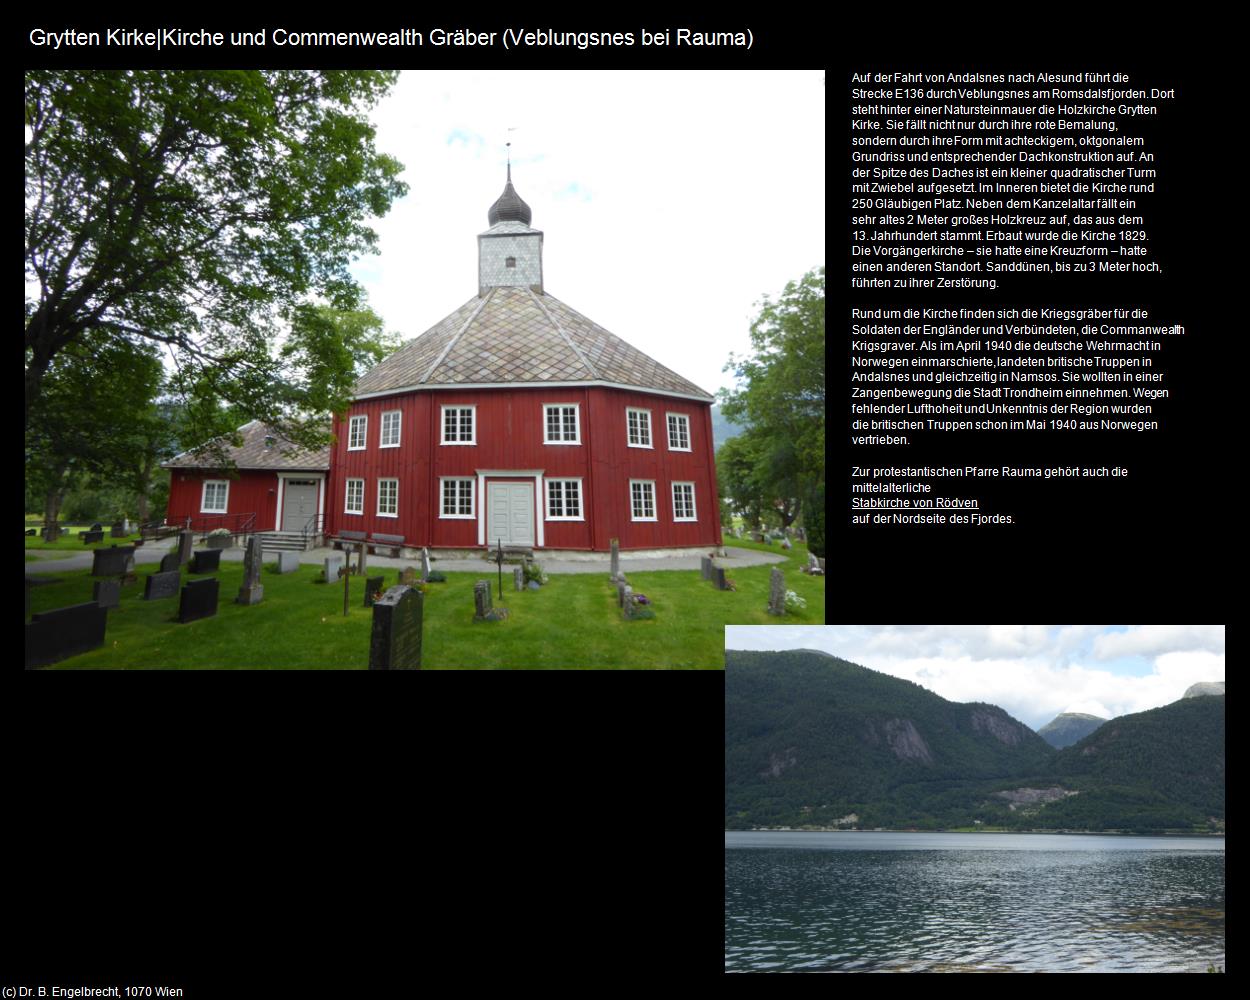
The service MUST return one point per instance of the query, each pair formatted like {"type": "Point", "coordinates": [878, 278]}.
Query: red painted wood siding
{"type": "Point", "coordinates": [509, 430]}
{"type": "Point", "coordinates": [252, 491]}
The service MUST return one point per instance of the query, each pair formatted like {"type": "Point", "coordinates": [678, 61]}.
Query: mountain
{"type": "Point", "coordinates": [1205, 687]}
{"type": "Point", "coordinates": [810, 738]}
{"type": "Point", "coordinates": [722, 427]}
{"type": "Point", "coordinates": [1065, 729]}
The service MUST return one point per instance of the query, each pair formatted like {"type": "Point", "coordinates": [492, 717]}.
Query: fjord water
{"type": "Point", "coordinates": [911, 902]}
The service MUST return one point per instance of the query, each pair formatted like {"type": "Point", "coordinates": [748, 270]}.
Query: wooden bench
{"type": "Point", "coordinates": [348, 539]}
{"type": "Point", "coordinates": [393, 543]}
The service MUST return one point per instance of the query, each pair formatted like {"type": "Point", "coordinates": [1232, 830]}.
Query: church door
{"type": "Point", "coordinates": [511, 513]}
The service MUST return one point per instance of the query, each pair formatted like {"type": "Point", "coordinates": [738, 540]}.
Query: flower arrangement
{"type": "Point", "coordinates": [794, 602]}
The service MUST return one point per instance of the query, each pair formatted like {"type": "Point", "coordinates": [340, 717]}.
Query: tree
{"type": "Point", "coordinates": [200, 211]}
{"type": "Point", "coordinates": [781, 399]}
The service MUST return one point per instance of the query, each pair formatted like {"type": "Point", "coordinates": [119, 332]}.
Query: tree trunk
{"type": "Point", "coordinates": [52, 509]}
{"type": "Point", "coordinates": [145, 487]}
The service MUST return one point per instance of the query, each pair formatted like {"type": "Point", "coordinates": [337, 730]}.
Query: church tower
{"type": "Point", "coordinates": [510, 252]}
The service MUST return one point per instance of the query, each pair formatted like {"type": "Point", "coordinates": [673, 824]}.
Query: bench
{"type": "Point", "coordinates": [393, 543]}
{"type": "Point", "coordinates": [347, 540]}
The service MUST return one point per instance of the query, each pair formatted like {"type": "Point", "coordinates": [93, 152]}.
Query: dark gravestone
{"type": "Point", "coordinates": [288, 562]}
{"type": "Point", "coordinates": [705, 565]}
{"type": "Point", "coordinates": [395, 642]}
{"type": "Point", "coordinates": [54, 635]}
{"type": "Point", "coordinates": [484, 610]}
{"type": "Point", "coordinates": [170, 563]}
{"type": "Point", "coordinates": [185, 539]}
{"type": "Point", "coordinates": [162, 585]}
{"type": "Point", "coordinates": [91, 537]}
{"type": "Point", "coordinates": [199, 600]}
{"type": "Point", "coordinates": [252, 590]}
{"type": "Point", "coordinates": [718, 578]}
{"type": "Point", "coordinates": [106, 593]}
{"type": "Point", "coordinates": [206, 561]}
{"type": "Point", "coordinates": [113, 561]}
{"type": "Point", "coordinates": [30, 532]}
{"type": "Point", "coordinates": [373, 587]}
{"type": "Point", "coordinates": [98, 526]}
{"type": "Point", "coordinates": [118, 531]}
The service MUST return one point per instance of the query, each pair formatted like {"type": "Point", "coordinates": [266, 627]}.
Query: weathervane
{"type": "Point", "coordinates": [508, 144]}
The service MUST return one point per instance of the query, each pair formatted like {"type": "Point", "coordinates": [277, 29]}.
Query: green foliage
{"type": "Point", "coordinates": [780, 402]}
{"type": "Point", "coordinates": [198, 211]}
{"type": "Point", "coordinates": [814, 519]}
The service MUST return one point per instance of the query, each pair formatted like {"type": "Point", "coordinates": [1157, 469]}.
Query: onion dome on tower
{"type": "Point", "coordinates": [509, 207]}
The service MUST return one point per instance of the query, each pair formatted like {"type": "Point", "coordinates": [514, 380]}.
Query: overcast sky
{"type": "Point", "coordinates": [1033, 671]}
{"type": "Point", "coordinates": [669, 202]}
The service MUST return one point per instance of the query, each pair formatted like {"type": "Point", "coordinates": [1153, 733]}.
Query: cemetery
{"type": "Point", "coordinates": [287, 620]}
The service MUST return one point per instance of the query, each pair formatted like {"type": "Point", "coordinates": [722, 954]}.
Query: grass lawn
{"type": "Point", "coordinates": [72, 543]}
{"type": "Point", "coordinates": [573, 622]}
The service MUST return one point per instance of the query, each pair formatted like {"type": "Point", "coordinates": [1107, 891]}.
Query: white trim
{"type": "Point", "coordinates": [650, 436]}
{"type": "Point", "coordinates": [535, 474]}
{"type": "Point", "coordinates": [364, 436]}
{"type": "Point", "coordinates": [225, 509]}
{"type": "Point", "coordinates": [581, 506]}
{"type": "Point", "coordinates": [577, 422]}
{"type": "Point", "coordinates": [321, 493]}
{"type": "Point", "coordinates": [472, 515]}
{"type": "Point", "coordinates": [668, 433]}
{"type": "Point", "coordinates": [442, 422]}
{"type": "Point", "coordinates": [347, 493]}
{"type": "Point", "coordinates": [654, 505]}
{"type": "Point", "coordinates": [585, 383]}
{"type": "Point", "coordinates": [388, 479]}
{"type": "Point", "coordinates": [399, 415]}
{"type": "Point", "coordinates": [693, 505]}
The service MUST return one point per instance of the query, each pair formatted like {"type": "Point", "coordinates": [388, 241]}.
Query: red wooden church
{"type": "Point", "coordinates": [517, 420]}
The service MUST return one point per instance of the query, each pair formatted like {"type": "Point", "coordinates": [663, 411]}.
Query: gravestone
{"type": "Point", "coordinates": [91, 537]}
{"type": "Point", "coordinates": [113, 561]}
{"type": "Point", "coordinates": [706, 566]}
{"type": "Point", "coordinates": [164, 584]}
{"type": "Point", "coordinates": [334, 567]}
{"type": "Point", "coordinates": [118, 531]}
{"type": "Point", "coordinates": [199, 600]}
{"type": "Point", "coordinates": [288, 562]}
{"type": "Point", "coordinates": [395, 641]}
{"type": "Point", "coordinates": [373, 587]}
{"type": "Point", "coordinates": [31, 532]}
{"type": "Point", "coordinates": [621, 587]}
{"type": "Point", "coordinates": [407, 576]}
{"type": "Point", "coordinates": [785, 543]}
{"type": "Point", "coordinates": [425, 564]}
{"type": "Point", "coordinates": [362, 558]}
{"type": "Point", "coordinates": [614, 572]}
{"type": "Point", "coordinates": [484, 609]}
{"type": "Point", "coordinates": [53, 635]}
{"type": "Point", "coordinates": [518, 578]}
{"type": "Point", "coordinates": [776, 592]}
{"type": "Point", "coordinates": [206, 561]}
{"type": "Point", "coordinates": [718, 578]}
{"type": "Point", "coordinates": [627, 596]}
{"type": "Point", "coordinates": [185, 539]}
{"type": "Point", "coordinates": [815, 566]}
{"type": "Point", "coordinates": [98, 526]}
{"type": "Point", "coordinates": [252, 590]}
{"type": "Point", "coordinates": [107, 593]}
{"type": "Point", "coordinates": [170, 563]}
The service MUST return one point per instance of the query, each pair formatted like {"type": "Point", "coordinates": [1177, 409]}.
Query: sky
{"type": "Point", "coordinates": [1034, 672]}
{"type": "Point", "coordinates": [670, 202]}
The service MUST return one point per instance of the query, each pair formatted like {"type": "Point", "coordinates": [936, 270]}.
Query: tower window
{"type": "Point", "coordinates": [510, 262]}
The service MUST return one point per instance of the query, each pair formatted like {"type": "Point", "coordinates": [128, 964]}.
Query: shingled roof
{"type": "Point", "coordinates": [262, 448]}
{"type": "Point", "coordinates": [515, 336]}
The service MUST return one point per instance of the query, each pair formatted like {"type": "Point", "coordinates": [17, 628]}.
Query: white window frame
{"type": "Point", "coordinates": [694, 509]}
{"type": "Point", "coordinates": [581, 506]}
{"type": "Point", "coordinates": [442, 499]}
{"type": "Point", "coordinates": [650, 439]}
{"type": "Point", "coordinates": [347, 496]}
{"type": "Point", "coordinates": [685, 417]}
{"type": "Point", "coordinates": [225, 506]}
{"type": "Point", "coordinates": [388, 479]}
{"type": "Point", "coordinates": [577, 422]}
{"type": "Point", "coordinates": [398, 415]}
{"type": "Point", "coordinates": [442, 423]}
{"type": "Point", "coordinates": [655, 510]}
{"type": "Point", "coordinates": [364, 432]}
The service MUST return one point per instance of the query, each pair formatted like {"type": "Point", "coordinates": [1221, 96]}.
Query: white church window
{"type": "Point", "coordinates": [213, 500]}
{"type": "Point", "coordinates": [560, 424]}
{"type": "Point", "coordinates": [678, 432]}
{"type": "Point", "coordinates": [390, 429]}
{"type": "Point", "coordinates": [564, 500]}
{"type": "Point", "coordinates": [638, 423]}
{"type": "Point", "coordinates": [457, 498]}
{"type": "Point", "coordinates": [356, 433]}
{"type": "Point", "coordinates": [642, 499]}
{"type": "Point", "coordinates": [683, 502]}
{"type": "Point", "coordinates": [458, 425]}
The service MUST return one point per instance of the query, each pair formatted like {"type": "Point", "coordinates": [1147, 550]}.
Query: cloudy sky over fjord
{"type": "Point", "coordinates": [1033, 671]}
